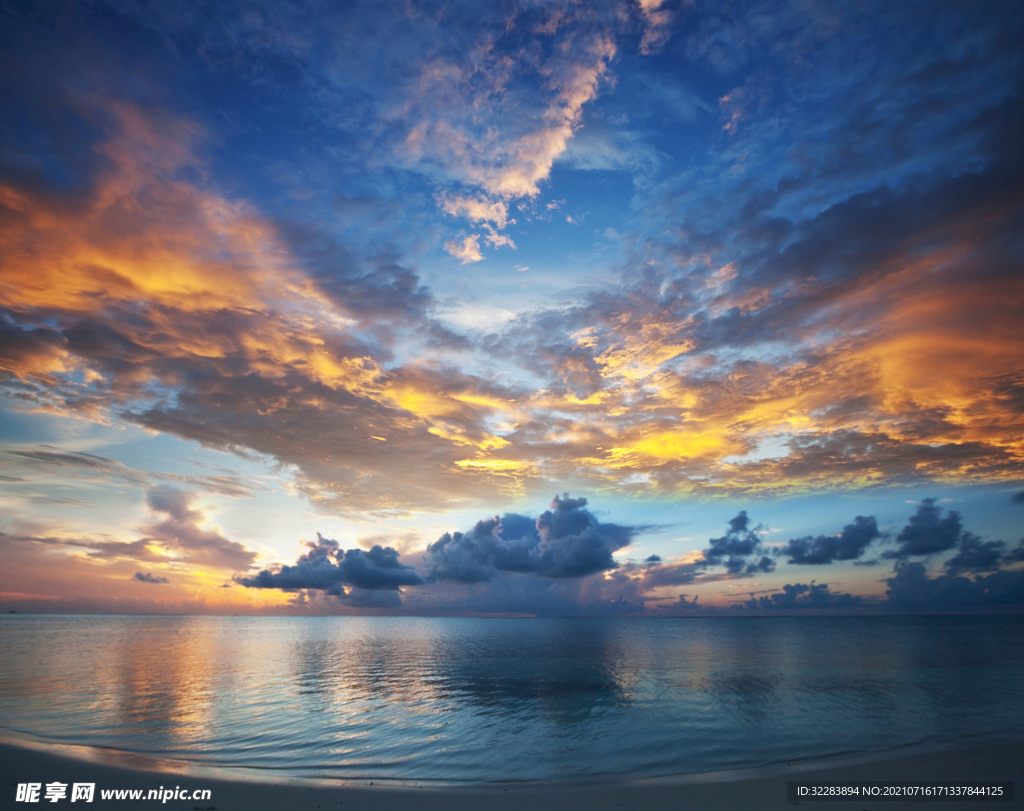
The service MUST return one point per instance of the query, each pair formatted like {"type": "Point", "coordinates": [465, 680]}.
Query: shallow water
{"type": "Point", "coordinates": [511, 699]}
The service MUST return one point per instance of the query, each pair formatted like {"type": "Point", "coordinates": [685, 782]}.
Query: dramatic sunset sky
{"type": "Point", "coordinates": [557, 308]}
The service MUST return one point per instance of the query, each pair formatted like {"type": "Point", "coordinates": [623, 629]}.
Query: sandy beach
{"type": "Point", "coordinates": [744, 792]}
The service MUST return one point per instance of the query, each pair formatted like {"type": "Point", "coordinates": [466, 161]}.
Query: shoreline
{"type": "Point", "coordinates": [29, 761]}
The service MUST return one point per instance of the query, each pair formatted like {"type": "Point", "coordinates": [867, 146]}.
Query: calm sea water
{"type": "Point", "coordinates": [511, 699]}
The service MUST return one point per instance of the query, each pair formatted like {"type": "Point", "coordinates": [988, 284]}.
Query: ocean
{"type": "Point", "coordinates": [461, 700]}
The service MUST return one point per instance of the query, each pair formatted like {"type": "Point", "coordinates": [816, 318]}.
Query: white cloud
{"type": "Point", "coordinates": [476, 209]}
{"type": "Point", "coordinates": [468, 250]}
{"type": "Point", "coordinates": [496, 240]}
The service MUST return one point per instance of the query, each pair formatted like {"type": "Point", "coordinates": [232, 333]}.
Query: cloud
{"type": "Point", "coordinates": [150, 578]}
{"type": "Point", "coordinates": [1016, 554]}
{"type": "Point", "coordinates": [467, 251]}
{"type": "Point", "coordinates": [52, 569]}
{"type": "Point", "coordinates": [738, 549]}
{"type": "Point", "coordinates": [496, 240]}
{"type": "Point", "coordinates": [481, 211]}
{"type": "Point", "coordinates": [507, 593]}
{"type": "Point", "coordinates": [178, 539]}
{"type": "Point", "coordinates": [194, 316]}
{"type": "Point", "coordinates": [565, 541]}
{"type": "Point", "coordinates": [927, 532]}
{"type": "Point", "coordinates": [142, 549]}
{"type": "Point", "coordinates": [867, 331]}
{"type": "Point", "coordinates": [182, 531]}
{"type": "Point", "coordinates": [801, 595]}
{"type": "Point", "coordinates": [674, 574]}
{"type": "Point", "coordinates": [477, 95]}
{"type": "Point", "coordinates": [656, 25]}
{"type": "Point", "coordinates": [849, 545]}
{"type": "Point", "coordinates": [1017, 498]}
{"type": "Point", "coordinates": [976, 555]}
{"type": "Point", "coordinates": [351, 575]}
{"type": "Point", "coordinates": [912, 588]}
{"type": "Point", "coordinates": [46, 460]}
{"type": "Point", "coordinates": [477, 209]}
{"type": "Point", "coordinates": [496, 121]}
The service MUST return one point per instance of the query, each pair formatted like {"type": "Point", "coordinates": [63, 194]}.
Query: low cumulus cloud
{"type": "Point", "coordinates": [150, 578]}
{"type": "Point", "coordinates": [910, 587]}
{"type": "Point", "coordinates": [740, 549]}
{"type": "Point", "coordinates": [564, 541]}
{"type": "Point", "coordinates": [927, 532]}
{"type": "Point", "coordinates": [1016, 555]}
{"type": "Point", "coordinates": [802, 595]}
{"type": "Point", "coordinates": [363, 579]}
{"type": "Point", "coordinates": [975, 555]}
{"type": "Point", "coordinates": [850, 544]}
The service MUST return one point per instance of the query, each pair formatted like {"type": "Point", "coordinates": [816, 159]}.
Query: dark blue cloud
{"type": "Point", "coordinates": [912, 588]}
{"type": "Point", "coordinates": [564, 541]}
{"type": "Point", "coordinates": [801, 595]}
{"type": "Point", "coordinates": [738, 549]}
{"type": "Point", "coordinates": [849, 545]}
{"type": "Point", "coordinates": [351, 575]}
{"type": "Point", "coordinates": [1017, 554]}
{"type": "Point", "coordinates": [928, 532]}
{"type": "Point", "coordinates": [975, 555]}
{"type": "Point", "coordinates": [150, 578]}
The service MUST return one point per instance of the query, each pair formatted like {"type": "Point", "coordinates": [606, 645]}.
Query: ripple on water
{"type": "Point", "coordinates": [475, 699]}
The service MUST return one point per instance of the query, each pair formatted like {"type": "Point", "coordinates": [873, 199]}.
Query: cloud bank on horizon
{"type": "Point", "coordinates": [427, 257]}
{"type": "Point", "coordinates": [560, 563]}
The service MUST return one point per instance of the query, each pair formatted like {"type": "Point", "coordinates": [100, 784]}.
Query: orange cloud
{"type": "Point", "coordinates": [147, 283]}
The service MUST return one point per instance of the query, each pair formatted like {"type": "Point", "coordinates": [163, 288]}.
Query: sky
{"type": "Point", "coordinates": [624, 307]}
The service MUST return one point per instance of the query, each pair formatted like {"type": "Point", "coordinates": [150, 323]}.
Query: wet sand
{"type": "Point", "coordinates": [32, 762]}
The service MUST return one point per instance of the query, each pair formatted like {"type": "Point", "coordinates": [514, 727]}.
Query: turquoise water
{"type": "Point", "coordinates": [465, 700]}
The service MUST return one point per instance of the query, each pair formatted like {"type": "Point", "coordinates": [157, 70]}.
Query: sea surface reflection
{"type": "Point", "coordinates": [501, 699]}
